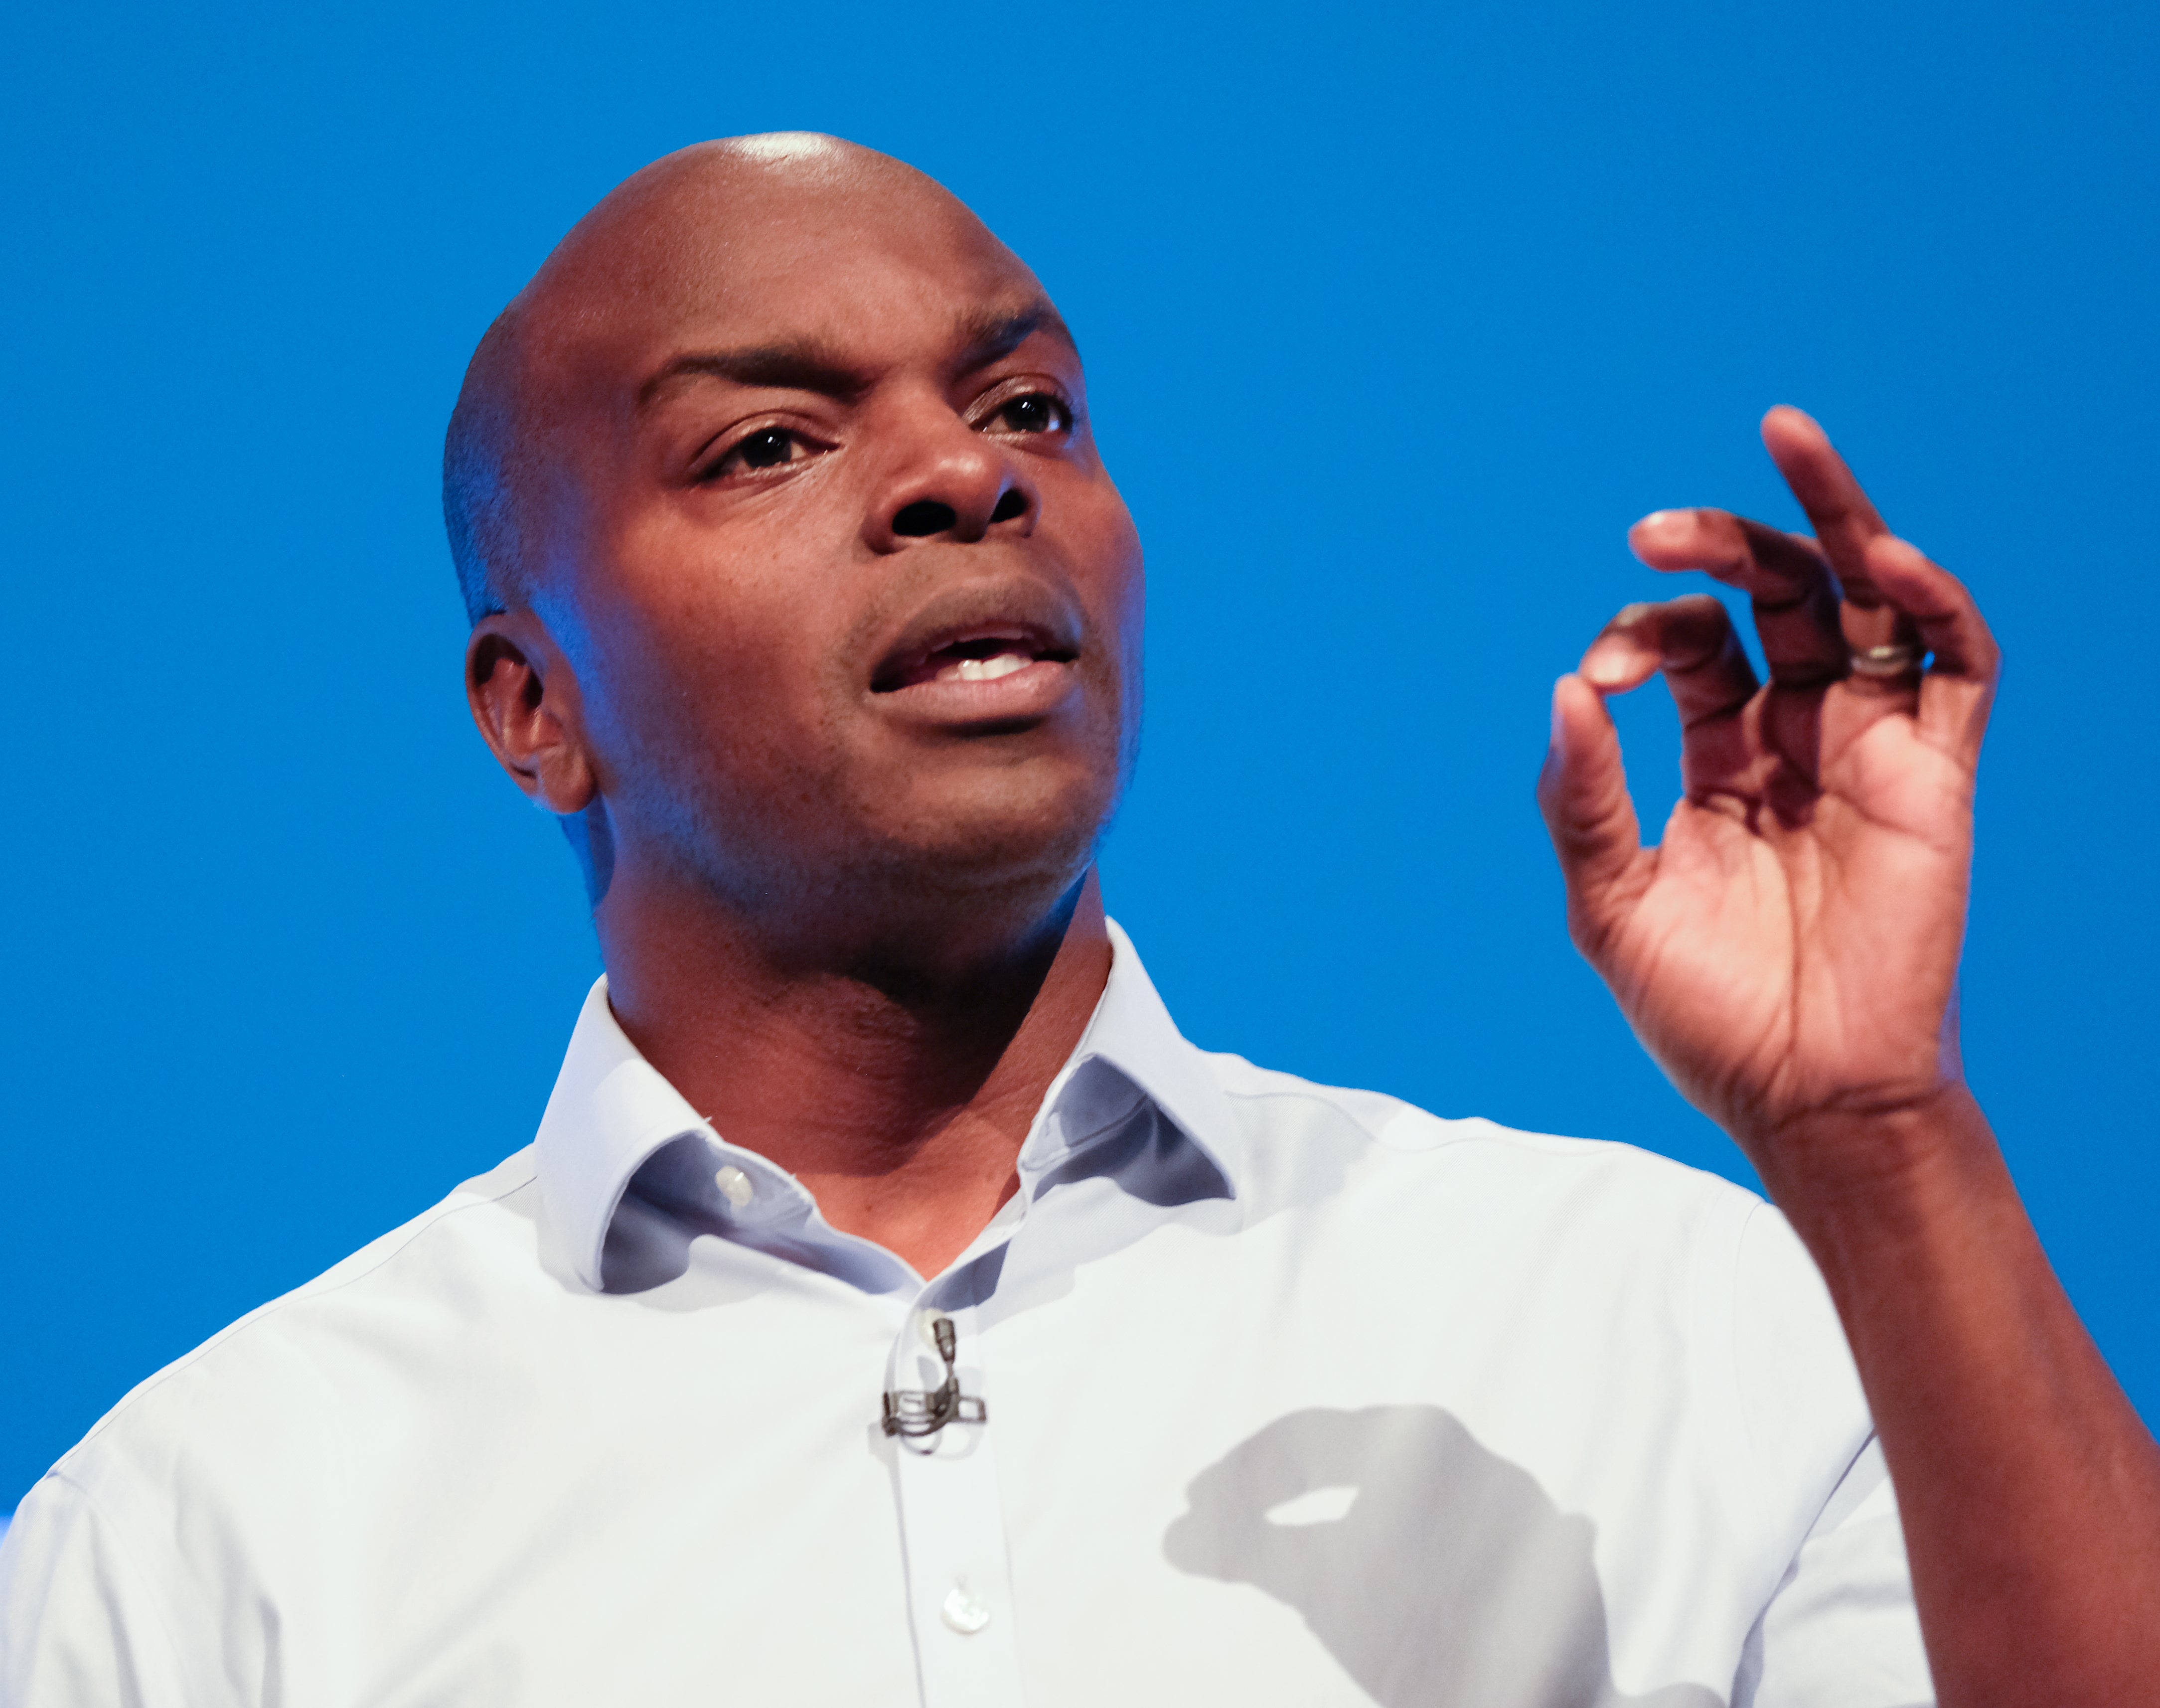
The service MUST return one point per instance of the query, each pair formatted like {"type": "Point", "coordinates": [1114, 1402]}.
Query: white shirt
{"type": "Point", "coordinates": [1295, 1396]}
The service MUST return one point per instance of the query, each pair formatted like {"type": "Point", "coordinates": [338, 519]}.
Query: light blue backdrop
{"type": "Point", "coordinates": [1395, 317]}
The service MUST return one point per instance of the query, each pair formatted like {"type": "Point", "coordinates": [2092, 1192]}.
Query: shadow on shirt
{"type": "Point", "coordinates": [1435, 1572]}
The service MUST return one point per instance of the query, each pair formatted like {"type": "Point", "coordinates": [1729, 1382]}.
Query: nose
{"type": "Point", "coordinates": [949, 482]}
{"type": "Point", "coordinates": [927, 516]}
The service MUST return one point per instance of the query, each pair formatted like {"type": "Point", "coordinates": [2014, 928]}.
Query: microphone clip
{"type": "Point", "coordinates": [914, 1413]}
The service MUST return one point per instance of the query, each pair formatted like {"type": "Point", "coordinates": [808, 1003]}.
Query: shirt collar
{"type": "Point", "coordinates": [611, 1109]}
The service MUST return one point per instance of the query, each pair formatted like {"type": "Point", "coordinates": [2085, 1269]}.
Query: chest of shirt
{"type": "Point", "coordinates": [1217, 1451]}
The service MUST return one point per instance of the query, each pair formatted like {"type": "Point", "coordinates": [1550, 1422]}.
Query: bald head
{"type": "Point", "coordinates": [664, 249]}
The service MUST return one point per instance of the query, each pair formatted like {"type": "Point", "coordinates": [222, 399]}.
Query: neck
{"type": "Point", "coordinates": [898, 1093]}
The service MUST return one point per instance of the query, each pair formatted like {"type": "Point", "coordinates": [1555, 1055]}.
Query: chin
{"type": "Point", "coordinates": [1001, 835]}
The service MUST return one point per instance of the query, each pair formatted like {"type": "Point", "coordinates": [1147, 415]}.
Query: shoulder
{"type": "Point", "coordinates": [415, 1284]}
{"type": "Point", "coordinates": [1386, 1145]}
{"type": "Point", "coordinates": [1597, 1231]}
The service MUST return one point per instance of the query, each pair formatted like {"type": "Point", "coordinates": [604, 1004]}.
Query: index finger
{"type": "Point", "coordinates": [1844, 520]}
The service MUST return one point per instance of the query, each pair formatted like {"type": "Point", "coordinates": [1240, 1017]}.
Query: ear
{"type": "Point", "coordinates": [524, 697]}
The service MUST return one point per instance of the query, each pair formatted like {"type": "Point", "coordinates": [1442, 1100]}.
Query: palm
{"type": "Point", "coordinates": [1791, 945]}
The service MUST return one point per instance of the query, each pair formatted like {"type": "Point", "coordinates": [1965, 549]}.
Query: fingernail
{"type": "Point", "coordinates": [1602, 667]}
{"type": "Point", "coordinates": [1559, 725]}
{"type": "Point", "coordinates": [1794, 413]}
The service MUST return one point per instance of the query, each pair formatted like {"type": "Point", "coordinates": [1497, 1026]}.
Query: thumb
{"type": "Point", "coordinates": [1583, 793]}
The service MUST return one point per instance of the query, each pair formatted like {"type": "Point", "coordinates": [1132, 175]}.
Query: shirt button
{"type": "Point", "coordinates": [963, 1612]}
{"type": "Point", "coordinates": [734, 1186]}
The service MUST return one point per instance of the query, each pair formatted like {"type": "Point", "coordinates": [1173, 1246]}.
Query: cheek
{"type": "Point", "coordinates": [716, 658]}
{"type": "Point", "coordinates": [1120, 592]}
{"type": "Point", "coordinates": [1134, 612]}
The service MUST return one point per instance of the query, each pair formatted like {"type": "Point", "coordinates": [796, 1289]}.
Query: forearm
{"type": "Point", "coordinates": [2029, 1488]}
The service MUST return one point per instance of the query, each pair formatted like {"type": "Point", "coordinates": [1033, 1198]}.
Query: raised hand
{"type": "Point", "coordinates": [1790, 948]}
{"type": "Point", "coordinates": [1789, 952]}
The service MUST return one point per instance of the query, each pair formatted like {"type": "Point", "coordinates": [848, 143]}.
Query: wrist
{"type": "Point", "coordinates": [1860, 1184]}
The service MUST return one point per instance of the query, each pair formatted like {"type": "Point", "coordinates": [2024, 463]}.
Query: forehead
{"type": "Point", "coordinates": [882, 263]}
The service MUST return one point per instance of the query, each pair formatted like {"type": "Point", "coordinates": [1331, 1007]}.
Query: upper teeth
{"type": "Point", "coordinates": [983, 669]}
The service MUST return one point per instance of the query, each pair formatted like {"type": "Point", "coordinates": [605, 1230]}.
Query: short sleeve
{"type": "Point", "coordinates": [1840, 1631]}
{"type": "Point", "coordinates": [78, 1625]}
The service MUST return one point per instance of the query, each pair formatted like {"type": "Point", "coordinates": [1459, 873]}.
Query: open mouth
{"type": "Point", "coordinates": [976, 655]}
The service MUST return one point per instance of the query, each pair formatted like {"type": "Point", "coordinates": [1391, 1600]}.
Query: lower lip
{"type": "Point", "coordinates": [1032, 692]}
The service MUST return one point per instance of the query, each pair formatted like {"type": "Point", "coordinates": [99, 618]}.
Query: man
{"type": "Point", "coordinates": [893, 1307]}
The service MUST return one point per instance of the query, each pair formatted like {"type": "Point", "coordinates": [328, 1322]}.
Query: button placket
{"type": "Point", "coordinates": [953, 1522]}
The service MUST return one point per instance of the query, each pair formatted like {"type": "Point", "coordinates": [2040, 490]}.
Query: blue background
{"type": "Point", "coordinates": [1395, 318]}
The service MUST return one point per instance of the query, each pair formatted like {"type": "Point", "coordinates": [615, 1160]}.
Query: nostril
{"type": "Point", "coordinates": [1013, 504]}
{"type": "Point", "coordinates": [926, 515]}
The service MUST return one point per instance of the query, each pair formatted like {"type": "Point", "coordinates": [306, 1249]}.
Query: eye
{"type": "Point", "coordinates": [1038, 412]}
{"type": "Point", "coordinates": [768, 448]}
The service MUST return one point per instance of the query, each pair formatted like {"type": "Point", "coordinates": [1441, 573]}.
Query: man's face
{"type": "Point", "coordinates": [850, 597]}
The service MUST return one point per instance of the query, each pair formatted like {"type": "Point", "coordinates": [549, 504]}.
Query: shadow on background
{"type": "Point", "coordinates": [1434, 1571]}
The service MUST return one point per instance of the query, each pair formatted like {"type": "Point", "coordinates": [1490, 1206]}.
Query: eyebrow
{"type": "Point", "coordinates": [988, 337]}
{"type": "Point", "coordinates": [798, 365]}
{"type": "Point", "coordinates": [808, 365]}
